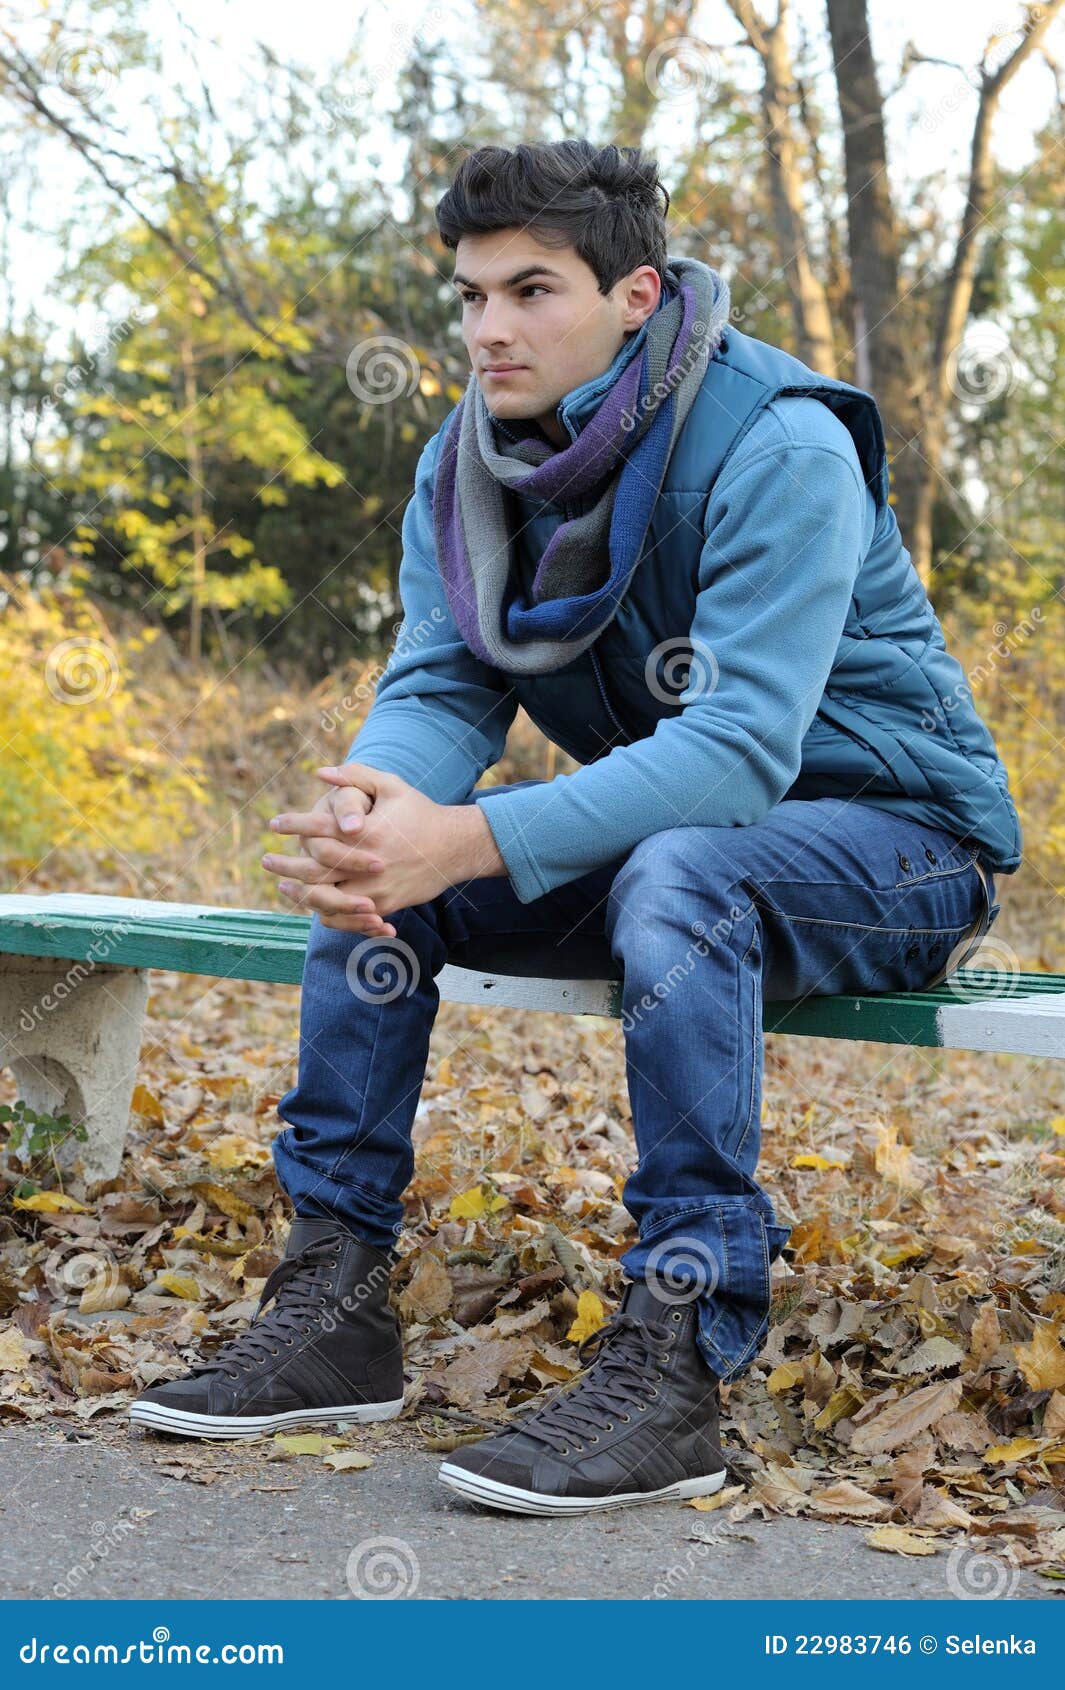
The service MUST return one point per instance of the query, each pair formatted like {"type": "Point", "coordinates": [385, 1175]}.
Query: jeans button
{"type": "Point", "coordinates": [930, 854]}
{"type": "Point", "coordinates": [904, 863]}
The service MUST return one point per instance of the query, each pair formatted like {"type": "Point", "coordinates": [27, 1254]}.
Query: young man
{"type": "Point", "coordinates": [670, 542]}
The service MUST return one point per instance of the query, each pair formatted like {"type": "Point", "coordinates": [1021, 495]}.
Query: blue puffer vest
{"type": "Point", "coordinates": [896, 724]}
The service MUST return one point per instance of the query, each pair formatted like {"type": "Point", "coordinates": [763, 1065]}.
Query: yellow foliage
{"type": "Point", "coordinates": [50, 1203]}
{"type": "Point", "coordinates": [471, 1205]}
{"type": "Point", "coordinates": [79, 766]}
{"type": "Point", "coordinates": [590, 1317]}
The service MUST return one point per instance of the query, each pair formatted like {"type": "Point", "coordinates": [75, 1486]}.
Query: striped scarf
{"type": "Point", "coordinates": [618, 461]}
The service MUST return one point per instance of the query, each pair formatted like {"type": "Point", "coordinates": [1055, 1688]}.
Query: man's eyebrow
{"type": "Point", "coordinates": [512, 281]}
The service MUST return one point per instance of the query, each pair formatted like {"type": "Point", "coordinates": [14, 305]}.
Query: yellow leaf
{"type": "Point", "coordinates": [145, 1104]}
{"type": "Point", "coordinates": [899, 1541]}
{"type": "Point", "coordinates": [14, 1355]}
{"type": "Point", "coordinates": [842, 1401]}
{"type": "Point", "coordinates": [1015, 1450]}
{"type": "Point", "coordinates": [227, 1201]}
{"type": "Point", "coordinates": [707, 1504]}
{"type": "Point", "coordinates": [782, 1378]}
{"type": "Point", "coordinates": [179, 1285]}
{"type": "Point", "coordinates": [1043, 1360]}
{"type": "Point", "coordinates": [894, 1160]}
{"type": "Point", "coordinates": [235, 1150]}
{"type": "Point", "coordinates": [305, 1443]}
{"type": "Point", "coordinates": [845, 1497]}
{"type": "Point", "coordinates": [815, 1161]}
{"type": "Point", "coordinates": [904, 1253]}
{"type": "Point", "coordinates": [1057, 1125]}
{"type": "Point", "coordinates": [348, 1460]}
{"type": "Point", "coordinates": [471, 1205]}
{"type": "Point", "coordinates": [445, 1073]}
{"type": "Point", "coordinates": [50, 1203]}
{"type": "Point", "coordinates": [590, 1317]}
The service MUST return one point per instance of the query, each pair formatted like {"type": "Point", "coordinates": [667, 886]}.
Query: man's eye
{"type": "Point", "coordinates": [469, 298]}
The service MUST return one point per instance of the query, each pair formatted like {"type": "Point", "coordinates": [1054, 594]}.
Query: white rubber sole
{"type": "Point", "coordinates": [183, 1423]}
{"type": "Point", "coordinates": [478, 1488]}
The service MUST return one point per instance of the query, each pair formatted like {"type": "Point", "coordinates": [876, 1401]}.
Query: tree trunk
{"type": "Point", "coordinates": [882, 346]}
{"type": "Point", "coordinates": [780, 96]}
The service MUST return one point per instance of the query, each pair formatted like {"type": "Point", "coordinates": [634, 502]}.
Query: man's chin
{"type": "Point", "coordinates": [515, 407]}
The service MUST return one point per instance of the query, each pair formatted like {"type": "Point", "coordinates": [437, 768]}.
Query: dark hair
{"type": "Point", "coordinates": [602, 201]}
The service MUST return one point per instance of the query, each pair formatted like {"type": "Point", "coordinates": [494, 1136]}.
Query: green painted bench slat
{"type": "Point", "coordinates": [979, 1009]}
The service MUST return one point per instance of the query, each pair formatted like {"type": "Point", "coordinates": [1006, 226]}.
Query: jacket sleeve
{"type": "Point", "coordinates": [785, 528]}
{"type": "Point", "coordinates": [440, 716]}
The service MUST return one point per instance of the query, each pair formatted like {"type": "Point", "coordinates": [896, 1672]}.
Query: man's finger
{"type": "Point", "coordinates": [315, 873]}
{"type": "Point", "coordinates": [372, 926]}
{"type": "Point", "coordinates": [325, 898]}
{"type": "Point", "coordinates": [345, 860]}
{"type": "Point", "coordinates": [316, 824]}
{"type": "Point", "coordinates": [350, 806]}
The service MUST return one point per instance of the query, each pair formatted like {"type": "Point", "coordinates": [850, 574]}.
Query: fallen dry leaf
{"type": "Point", "coordinates": [898, 1541]}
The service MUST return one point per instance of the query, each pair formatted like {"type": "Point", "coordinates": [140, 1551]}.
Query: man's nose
{"type": "Point", "coordinates": [493, 328]}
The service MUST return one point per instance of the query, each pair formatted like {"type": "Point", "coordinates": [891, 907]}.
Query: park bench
{"type": "Point", "coordinates": [74, 987]}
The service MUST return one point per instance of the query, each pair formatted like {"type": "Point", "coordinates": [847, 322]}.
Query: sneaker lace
{"type": "Point", "coordinates": [296, 1283]}
{"type": "Point", "coordinates": [625, 1368]}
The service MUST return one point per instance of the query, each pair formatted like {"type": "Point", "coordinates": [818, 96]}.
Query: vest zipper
{"type": "Point", "coordinates": [608, 707]}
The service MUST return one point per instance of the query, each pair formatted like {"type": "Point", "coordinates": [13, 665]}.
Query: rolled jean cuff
{"type": "Point", "coordinates": [716, 1251]}
{"type": "Point", "coordinates": [373, 1216]}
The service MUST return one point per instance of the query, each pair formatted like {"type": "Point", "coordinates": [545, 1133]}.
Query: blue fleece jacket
{"type": "Point", "coordinates": [787, 524]}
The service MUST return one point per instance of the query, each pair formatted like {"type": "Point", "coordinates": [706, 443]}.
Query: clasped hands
{"type": "Point", "coordinates": [374, 844]}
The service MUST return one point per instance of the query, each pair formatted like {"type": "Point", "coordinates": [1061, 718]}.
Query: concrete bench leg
{"type": "Point", "coordinates": [71, 1032]}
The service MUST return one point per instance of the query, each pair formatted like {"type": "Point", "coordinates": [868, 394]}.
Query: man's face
{"type": "Point", "coordinates": [539, 308]}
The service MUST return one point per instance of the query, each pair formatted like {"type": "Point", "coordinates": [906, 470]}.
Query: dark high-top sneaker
{"type": "Point", "coordinates": [329, 1349]}
{"type": "Point", "coordinates": [640, 1426]}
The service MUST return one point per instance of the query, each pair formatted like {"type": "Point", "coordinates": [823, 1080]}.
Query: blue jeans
{"type": "Point", "coordinates": [701, 924]}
